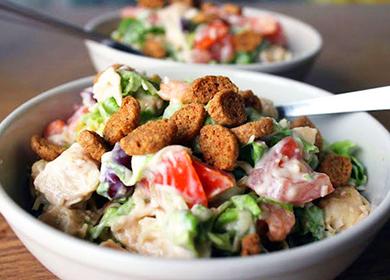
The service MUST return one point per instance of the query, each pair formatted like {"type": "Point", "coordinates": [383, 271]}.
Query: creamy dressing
{"type": "Point", "coordinates": [108, 85]}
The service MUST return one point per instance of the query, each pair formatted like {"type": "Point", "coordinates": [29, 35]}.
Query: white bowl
{"type": "Point", "coordinates": [304, 41]}
{"type": "Point", "coordinates": [71, 258]}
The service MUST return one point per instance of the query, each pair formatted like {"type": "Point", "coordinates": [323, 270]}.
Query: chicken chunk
{"type": "Point", "coordinates": [344, 208]}
{"type": "Point", "coordinates": [69, 179]}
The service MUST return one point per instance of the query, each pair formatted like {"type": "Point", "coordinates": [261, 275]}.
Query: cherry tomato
{"type": "Point", "coordinates": [176, 170]}
{"type": "Point", "coordinates": [214, 181]}
{"type": "Point", "coordinates": [223, 51]}
{"type": "Point", "coordinates": [210, 34]}
{"type": "Point", "coordinates": [283, 175]}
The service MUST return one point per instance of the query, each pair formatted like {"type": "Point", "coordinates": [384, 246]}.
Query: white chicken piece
{"type": "Point", "coordinates": [306, 133]}
{"type": "Point", "coordinates": [70, 178]}
{"type": "Point", "coordinates": [344, 208]}
{"type": "Point", "coordinates": [71, 221]}
{"type": "Point", "coordinates": [108, 84]}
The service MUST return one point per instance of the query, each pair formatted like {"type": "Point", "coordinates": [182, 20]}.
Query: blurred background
{"type": "Point", "coordinates": [121, 2]}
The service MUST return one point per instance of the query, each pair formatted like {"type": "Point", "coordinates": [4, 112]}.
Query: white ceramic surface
{"type": "Point", "coordinates": [304, 41]}
{"type": "Point", "coordinates": [70, 258]}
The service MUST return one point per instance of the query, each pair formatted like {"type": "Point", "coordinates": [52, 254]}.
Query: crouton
{"type": "Point", "coordinates": [305, 121]}
{"type": "Point", "coordinates": [154, 47]}
{"type": "Point", "coordinates": [219, 146]}
{"type": "Point", "coordinates": [151, 4]}
{"type": "Point", "coordinates": [246, 41]}
{"type": "Point", "coordinates": [202, 90]}
{"type": "Point", "coordinates": [232, 9]}
{"type": "Point", "coordinates": [256, 129]}
{"type": "Point", "coordinates": [250, 245]}
{"type": "Point", "coordinates": [338, 168]}
{"type": "Point", "coordinates": [149, 138]}
{"type": "Point", "coordinates": [93, 144]}
{"type": "Point", "coordinates": [251, 100]}
{"type": "Point", "coordinates": [45, 149]}
{"type": "Point", "coordinates": [125, 120]}
{"type": "Point", "coordinates": [203, 17]}
{"type": "Point", "coordinates": [227, 108]}
{"type": "Point", "coordinates": [192, 3]}
{"type": "Point", "coordinates": [207, 6]}
{"type": "Point", "coordinates": [189, 120]}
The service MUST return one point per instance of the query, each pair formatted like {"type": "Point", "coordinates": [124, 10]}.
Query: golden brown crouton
{"type": "Point", "coordinates": [93, 144]}
{"type": "Point", "coordinates": [305, 121]}
{"type": "Point", "coordinates": [193, 3]}
{"type": "Point", "coordinates": [251, 100]}
{"type": "Point", "coordinates": [219, 146]}
{"type": "Point", "coordinates": [338, 168]}
{"type": "Point", "coordinates": [246, 41]}
{"type": "Point", "coordinates": [227, 108]}
{"type": "Point", "coordinates": [203, 89]}
{"type": "Point", "coordinates": [250, 245]}
{"type": "Point", "coordinates": [45, 149]}
{"type": "Point", "coordinates": [256, 129]}
{"type": "Point", "coordinates": [149, 138]}
{"type": "Point", "coordinates": [203, 17]}
{"type": "Point", "coordinates": [206, 6]}
{"type": "Point", "coordinates": [151, 4]}
{"type": "Point", "coordinates": [154, 47]}
{"type": "Point", "coordinates": [232, 9]}
{"type": "Point", "coordinates": [189, 120]}
{"type": "Point", "coordinates": [125, 120]}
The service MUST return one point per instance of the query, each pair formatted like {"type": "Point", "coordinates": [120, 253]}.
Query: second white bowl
{"type": "Point", "coordinates": [304, 42]}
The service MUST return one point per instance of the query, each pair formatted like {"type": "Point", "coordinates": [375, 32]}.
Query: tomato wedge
{"type": "Point", "coordinates": [283, 175]}
{"type": "Point", "coordinates": [176, 170]}
{"type": "Point", "coordinates": [214, 181]}
{"type": "Point", "coordinates": [214, 32]}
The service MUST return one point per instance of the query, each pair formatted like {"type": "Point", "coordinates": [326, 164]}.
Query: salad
{"type": "Point", "coordinates": [188, 31]}
{"type": "Point", "coordinates": [192, 169]}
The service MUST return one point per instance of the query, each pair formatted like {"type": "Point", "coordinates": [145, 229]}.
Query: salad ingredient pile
{"type": "Point", "coordinates": [191, 169]}
{"type": "Point", "coordinates": [190, 31]}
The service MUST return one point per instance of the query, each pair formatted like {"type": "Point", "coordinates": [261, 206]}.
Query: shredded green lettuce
{"type": "Point", "coordinates": [234, 219]}
{"type": "Point", "coordinates": [253, 152]}
{"type": "Point", "coordinates": [97, 117]}
{"type": "Point", "coordinates": [310, 220]}
{"type": "Point", "coordinates": [111, 214]}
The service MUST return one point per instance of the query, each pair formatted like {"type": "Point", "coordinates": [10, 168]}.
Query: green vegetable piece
{"type": "Point", "coordinates": [311, 221]}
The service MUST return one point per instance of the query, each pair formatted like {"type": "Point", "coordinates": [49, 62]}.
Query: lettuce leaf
{"type": "Point", "coordinates": [111, 214]}
{"type": "Point", "coordinates": [310, 220]}
{"type": "Point", "coordinates": [97, 117]}
{"type": "Point", "coordinates": [234, 219]}
{"type": "Point", "coordinates": [253, 152]}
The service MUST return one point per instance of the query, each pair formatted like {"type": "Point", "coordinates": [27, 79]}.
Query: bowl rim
{"type": "Point", "coordinates": [307, 54]}
{"type": "Point", "coordinates": [19, 218]}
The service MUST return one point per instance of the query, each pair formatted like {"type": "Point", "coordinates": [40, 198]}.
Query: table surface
{"type": "Point", "coordinates": [356, 55]}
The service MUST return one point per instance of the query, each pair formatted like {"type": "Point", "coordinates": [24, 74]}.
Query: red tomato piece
{"type": "Point", "coordinates": [53, 128]}
{"type": "Point", "coordinates": [279, 220]}
{"type": "Point", "coordinates": [223, 51]}
{"type": "Point", "coordinates": [214, 181]}
{"type": "Point", "coordinates": [283, 175]}
{"type": "Point", "coordinates": [278, 36]}
{"type": "Point", "coordinates": [212, 33]}
{"type": "Point", "coordinates": [176, 170]}
{"type": "Point", "coordinates": [201, 56]}
{"type": "Point", "coordinates": [265, 25]}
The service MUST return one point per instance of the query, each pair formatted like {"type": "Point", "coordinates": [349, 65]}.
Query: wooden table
{"type": "Point", "coordinates": [356, 55]}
